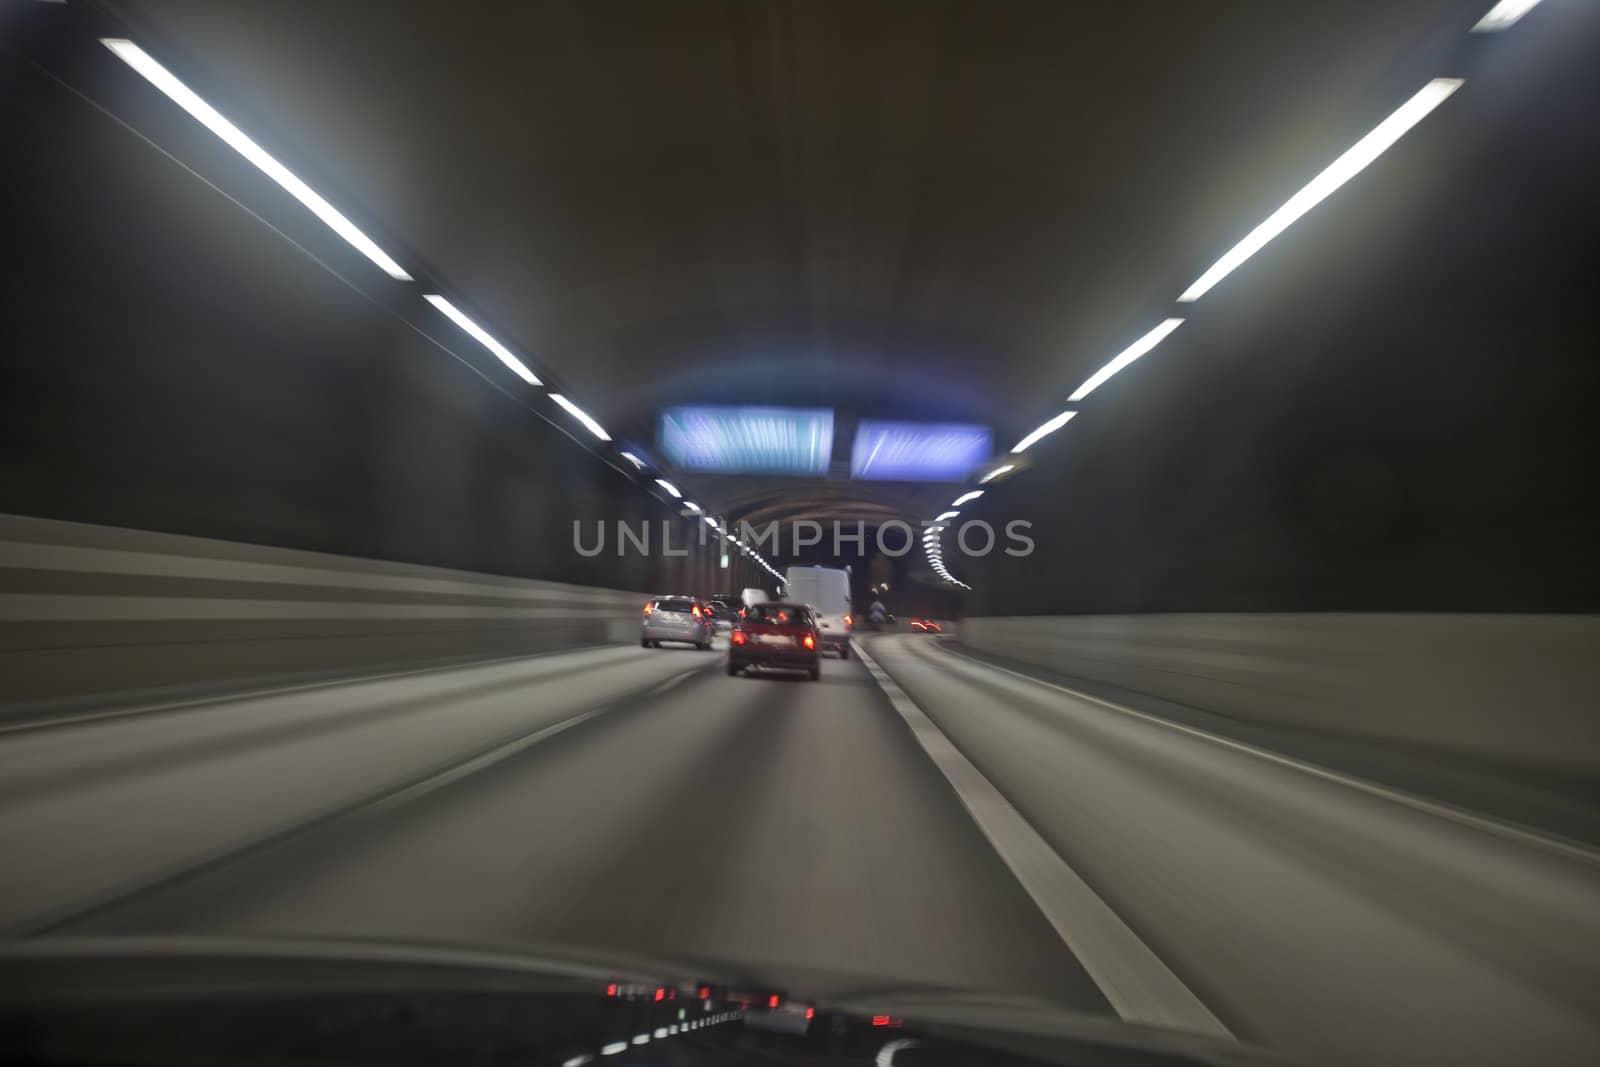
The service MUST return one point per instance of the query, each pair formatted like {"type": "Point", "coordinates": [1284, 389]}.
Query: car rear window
{"type": "Point", "coordinates": [777, 614]}
{"type": "Point", "coordinates": [674, 605]}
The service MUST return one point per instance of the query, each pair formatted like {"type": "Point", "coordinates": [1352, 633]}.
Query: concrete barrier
{"type": "Point", "coordinates": [91, 611]}
{"type": "Point", "coordinates": [1511, 687]}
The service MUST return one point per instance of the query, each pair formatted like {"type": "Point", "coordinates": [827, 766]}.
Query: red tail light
{"type": "Point", "coordinates": [737, 637]}
{"type": "Point", "coordinates": [809, 641]}
{"type": "Point", "coordinates": [661, 994]}
{"type": "Point", "coordinates": [695, 611]}
{"type": "Point", "coordinates": [649, 606]}
{"type": "Point", "coordinates": [849, 620]}
{"type": "Point", "coordinates": [811, 1013]}
{"type": "Point", "coordinates": [611, 990]}
{"type": "Point", "coordinates": [772, 1001]}
{"type": "Point", "coordinates": [705, 992]}
{"type": "Point", "coordinates": [880, 1020]}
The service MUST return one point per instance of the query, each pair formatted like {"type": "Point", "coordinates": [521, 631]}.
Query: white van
{"type": "Point", "coordinates": [827, 590]}
{"type": "Point", "coordinates": [752, 597]}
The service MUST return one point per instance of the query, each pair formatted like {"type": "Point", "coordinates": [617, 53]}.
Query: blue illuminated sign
{"type": "Point", "coordinates": [756, 440]}
{"type": "Point", "coordinates": [919, 451]}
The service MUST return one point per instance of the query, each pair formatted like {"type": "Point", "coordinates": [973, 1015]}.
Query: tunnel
{"type": "Point", "coordinates": [1163, 431]}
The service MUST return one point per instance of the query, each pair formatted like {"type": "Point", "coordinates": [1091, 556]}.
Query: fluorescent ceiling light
{"type": "Point", "coordinates": [1504, 15]}
{"type": "Point", "coordinates": [1048, 428]}
{"type": "Point", "coordinates": [966, 498]}
{"type": "Point", "coordinates": [692, 506]}
{"type": "Point", "coordinates": [1125, 357]}
{"type": "Point", "coordinates": [478, 334]}
{"type": "Point", "coordinates": [1341, 170]}
{"type": "Point", "coordinates": [582, 416]}
{"type": "Point", "coordinates": [997, 472]}
{"type": "Point", "coordinates": [635, 460]}
{"type": "Point", "coordinates": [669, 487]}
{"type": "Point", "coordinates": [942, 516]}
{"type": "Point", "coordinates": [711, 522]}
{"type": "Point", "coordinates": [211, 119]}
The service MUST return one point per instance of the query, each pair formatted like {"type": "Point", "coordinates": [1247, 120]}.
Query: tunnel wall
{"type": "Point", "coordinates": [93, 611]}
{"type": "Point", "coordinates": [1514, 688]}
{"type": "Point", "coordinates": [242, 452]}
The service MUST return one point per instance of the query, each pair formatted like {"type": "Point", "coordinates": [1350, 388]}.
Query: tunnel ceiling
{"type": "Point", "coordinates": [913, 210]}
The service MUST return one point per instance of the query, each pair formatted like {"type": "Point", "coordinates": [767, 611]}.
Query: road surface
{"type": "Point", "coordinates": [641, 800]}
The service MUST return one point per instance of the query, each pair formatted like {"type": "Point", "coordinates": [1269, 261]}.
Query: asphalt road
{"type": "Point", "coordinates": [640, 800]}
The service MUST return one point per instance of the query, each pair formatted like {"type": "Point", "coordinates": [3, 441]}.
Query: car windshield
{"type": "Point", "coordinates": [1130, 473]}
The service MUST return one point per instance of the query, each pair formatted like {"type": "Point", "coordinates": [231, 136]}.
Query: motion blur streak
{"type": "Point", "coordinates": [997, 472]}
{"type": "Point", "coordinates": [1341, 170]}
{"type": "Point", "coordinates": [1043, 431]}
{"type": "Point", "coordinates": [1125, 357]}
{"type": "Point", "coordinates": [582, 416]}
{"type": "Point", "coordinates": [1504, 15]}
{"type": "Point", "coordinates": [213, 120]}
{"type": "Point", "coordinates": [482, 336]}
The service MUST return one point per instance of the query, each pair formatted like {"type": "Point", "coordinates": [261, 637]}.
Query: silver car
{"type": "Point", "coordinates": [676, 618]}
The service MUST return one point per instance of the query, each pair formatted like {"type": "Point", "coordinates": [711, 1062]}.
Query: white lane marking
{"type": "Point", "coordinates": [1137, 984]}
{"type": "Point", "coordinates": [1564, 846]}
{"type": "Point", "coordinates": [676, 679]}
{"type": "Point", "coordinates": [504, 752]}
{"type": "Point", "coordinates": [385, 801]}
{"type": "Point", "coordinates": [476, 763]}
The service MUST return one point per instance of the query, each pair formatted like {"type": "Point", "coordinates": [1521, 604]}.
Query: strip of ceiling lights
{"type": "Point", "coordinates": [1502, 16]}
{"type": "Point", "coordinates": [1353, 161]}
{"type": "Point", "coordinates": [174, 89]}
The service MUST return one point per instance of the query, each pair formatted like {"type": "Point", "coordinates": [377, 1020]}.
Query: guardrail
{"type": "Point", "coordinates": [89, 611]}
{"type": "Point", "coordinates": [1510, 687]}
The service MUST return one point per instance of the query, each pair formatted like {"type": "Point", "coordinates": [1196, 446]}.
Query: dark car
{"type": "Point", "coordinates": [724, 613]}
{"type": "Point", "coordinates": [777, 634]}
